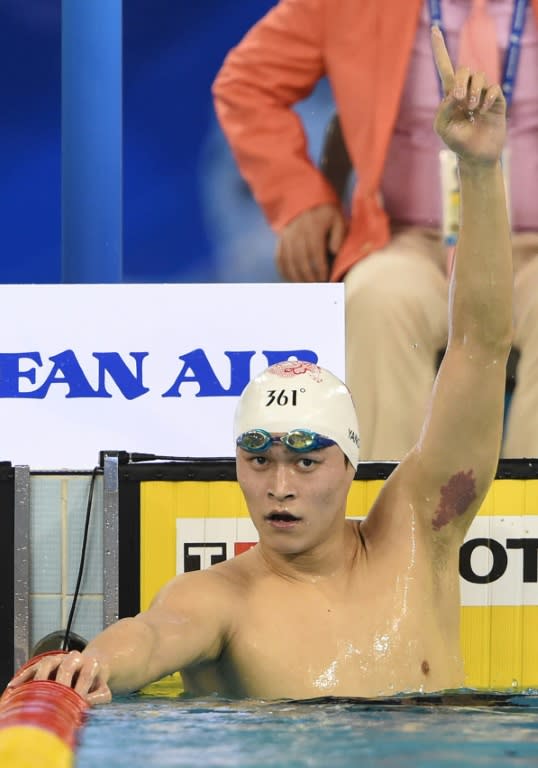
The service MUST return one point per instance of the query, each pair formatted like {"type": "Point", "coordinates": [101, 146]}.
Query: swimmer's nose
{"type": "Point", "coordinates": [281, 487]}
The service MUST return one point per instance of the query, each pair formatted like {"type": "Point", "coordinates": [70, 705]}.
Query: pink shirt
{"type": "Point", "coordinates": [411, 186]}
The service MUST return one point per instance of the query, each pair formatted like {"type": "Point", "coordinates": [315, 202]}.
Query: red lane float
{"type": "Point", "coordinates": [39, 723]}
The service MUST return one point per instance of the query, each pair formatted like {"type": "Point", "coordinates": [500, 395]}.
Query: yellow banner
{"type": "Point", "coordinates": [190, 525]}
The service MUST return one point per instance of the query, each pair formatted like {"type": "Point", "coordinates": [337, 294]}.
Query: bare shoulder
{"type": "Point", "coordinates": [219, 585]}
{"type": "Point", "coordinates": [240, 572]}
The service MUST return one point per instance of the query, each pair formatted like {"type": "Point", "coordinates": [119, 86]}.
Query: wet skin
{"type": "Point", "coordinates": [323, 608]}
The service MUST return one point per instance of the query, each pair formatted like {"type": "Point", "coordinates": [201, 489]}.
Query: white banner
{"type": "Point", "coordinates": [147, 368]}
{"type": "Point", "coordinates": [499, 561]}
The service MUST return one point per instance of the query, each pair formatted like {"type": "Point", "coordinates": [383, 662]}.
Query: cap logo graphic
{"type": "Point", "coordinates": [282, 397]}
{"type": "Point", "coordinates": [297, 368]}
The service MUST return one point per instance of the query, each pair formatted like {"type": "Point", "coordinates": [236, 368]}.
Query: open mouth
{"type": "Point", "coordinates": [282, 517]}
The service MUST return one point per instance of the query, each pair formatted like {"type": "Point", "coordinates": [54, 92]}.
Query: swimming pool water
{"type": "Point", "coordinates": [151, 732]}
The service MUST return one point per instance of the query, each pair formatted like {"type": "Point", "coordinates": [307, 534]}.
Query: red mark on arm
{"type": "Point", "coordinates": [456, 498]}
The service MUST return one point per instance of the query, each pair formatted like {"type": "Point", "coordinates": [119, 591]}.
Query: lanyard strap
{"type": "Point", "coordinates": [511, 60]}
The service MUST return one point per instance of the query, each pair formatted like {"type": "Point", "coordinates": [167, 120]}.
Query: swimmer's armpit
{"type": "Point", "coordinates": [456, 498]}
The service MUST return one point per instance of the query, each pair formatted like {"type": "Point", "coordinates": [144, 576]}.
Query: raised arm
{"type": "Point", "coordinates": [446, 476]}
{"type": "Point", "coordinates": [186, 624]}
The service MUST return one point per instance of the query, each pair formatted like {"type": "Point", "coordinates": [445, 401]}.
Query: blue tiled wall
{"type": "Point", "coordinates": [57, 515]}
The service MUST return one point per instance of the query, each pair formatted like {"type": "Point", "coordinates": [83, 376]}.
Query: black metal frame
{"type": "Point", "coordinates": [7, 572]}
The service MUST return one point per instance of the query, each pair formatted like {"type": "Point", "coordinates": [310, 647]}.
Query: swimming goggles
{"type": "Point", "coordinates": [299, 440]}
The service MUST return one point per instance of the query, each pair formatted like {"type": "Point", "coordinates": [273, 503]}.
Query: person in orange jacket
{"type": "Point", "coordinates": [390, 251]}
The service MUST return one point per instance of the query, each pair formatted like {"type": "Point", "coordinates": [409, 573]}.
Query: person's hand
{"type": "Point", "coordinates": [303, 244]}
{"type": "Point", "coordinates": [85, 674]}
{"type": "Point", "coordinates": [471, 119]}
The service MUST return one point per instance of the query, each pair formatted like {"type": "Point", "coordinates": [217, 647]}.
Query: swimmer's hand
{"type": "Point", "coordinates": [84, 673]}
{"type": "Point", "coordinates": [471, 119]}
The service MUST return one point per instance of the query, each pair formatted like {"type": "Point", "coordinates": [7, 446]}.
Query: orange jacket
{"type": "Point", "coordinates": [363, 46]}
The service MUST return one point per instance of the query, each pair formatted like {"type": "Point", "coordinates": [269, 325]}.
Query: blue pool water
{"type": "Point", "coordinates": [457, 731]}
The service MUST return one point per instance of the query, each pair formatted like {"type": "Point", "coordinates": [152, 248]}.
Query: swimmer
{"type": "Point", "coordinates": [324, 605]}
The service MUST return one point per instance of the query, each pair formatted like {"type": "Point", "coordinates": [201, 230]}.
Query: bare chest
{"type": "Point", "coordinates": [297, 643]}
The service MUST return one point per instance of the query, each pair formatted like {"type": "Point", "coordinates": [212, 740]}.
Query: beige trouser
{"type": "Point", "coordinates": [396, 323]}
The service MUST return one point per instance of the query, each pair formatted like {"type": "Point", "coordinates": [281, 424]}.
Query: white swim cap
{"type": "Point", "coordinates": [298, 395]}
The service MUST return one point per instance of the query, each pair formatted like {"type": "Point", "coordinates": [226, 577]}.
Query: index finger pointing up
{"type": "Point", "coordinates": [442, 60]}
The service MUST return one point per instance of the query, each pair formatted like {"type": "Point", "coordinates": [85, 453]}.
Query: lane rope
{"type": "Point", "coordinates": [40, 723]}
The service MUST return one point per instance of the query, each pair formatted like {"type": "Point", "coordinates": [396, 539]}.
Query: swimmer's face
{"type": "Point", "coordinates": [296, 500]}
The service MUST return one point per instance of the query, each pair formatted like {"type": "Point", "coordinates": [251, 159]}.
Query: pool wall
{"type": "Point", "coordinates": [175, 517]}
